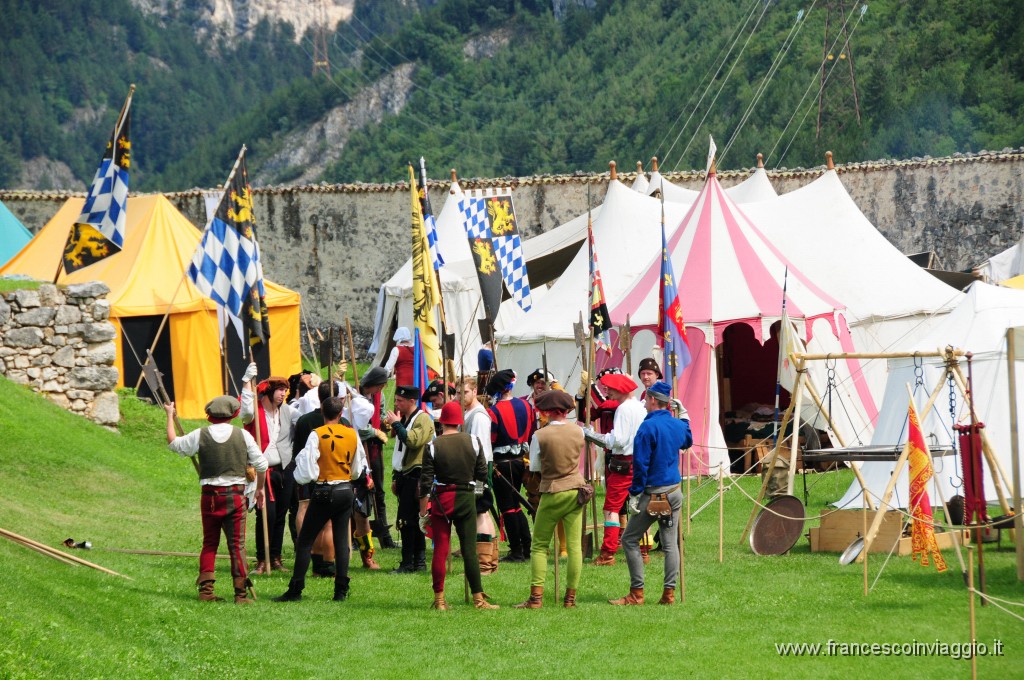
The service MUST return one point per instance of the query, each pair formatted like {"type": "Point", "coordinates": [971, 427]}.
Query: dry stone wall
{"type": "Point", "coordinates": [336, 244]}
{"type": "Point", "coordinates": [59, 342]}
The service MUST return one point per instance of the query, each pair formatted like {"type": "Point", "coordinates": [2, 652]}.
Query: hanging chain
{"type": "Point", "coordinates": [958, 484]}
{"type": "Point", "coordinates": [918, 372]}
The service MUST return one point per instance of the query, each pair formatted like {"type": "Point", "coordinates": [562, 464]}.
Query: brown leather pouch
{"type": "Point", "coordinates": [659, 506]}
{"type": "Point", "coordinates": [250, 473]}
{"type": "Point", "coordinates": [584, 494]}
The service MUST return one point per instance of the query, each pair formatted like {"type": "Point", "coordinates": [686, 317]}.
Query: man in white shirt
{"type": "Point", "coordinates": [275, 437]}
{"type": "Point", "coordinates": [224, 451]}
{"type": "Point", "coordinates": [619, 461]}
{"type": "Point", "coordinates": [478, 424]}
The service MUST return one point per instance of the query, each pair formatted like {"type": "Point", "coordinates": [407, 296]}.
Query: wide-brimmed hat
{"type": "Point", "coordinates": [650, 364]}
{"type": "Point", "coordinates": [618, 382]}
{"type": "Point", "coordinates": [224, 406]}
{"type": "Point", "coordinates": [554, 400]}
{"type": "Point", "coordinates": [451, 414]}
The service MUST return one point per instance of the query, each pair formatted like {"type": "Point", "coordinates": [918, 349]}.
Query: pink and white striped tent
{"type": "Point", "coordinates": [727, 273]}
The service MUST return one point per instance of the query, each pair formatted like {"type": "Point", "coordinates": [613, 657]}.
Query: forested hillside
{"type": "Point", "coordinates": [624, 80]}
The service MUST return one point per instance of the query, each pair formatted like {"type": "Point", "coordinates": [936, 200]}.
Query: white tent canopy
{"type": "Point", "coordinates": [1003, 266]}
{"type": "Point", "coordinates": [889, 300]}
{"type": "Point", "coordinates": [978, 325]}
{"type": "Point", "coordinates": [460, 287]}
{"type": "Point", "coordinates": [627, 233]}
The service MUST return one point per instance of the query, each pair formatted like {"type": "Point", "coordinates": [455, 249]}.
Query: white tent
{"type": "Point", "coordinates": [889, 300]}
{"type": "Point", "coordinates": [1003, 266]}
{"type": "Point", "coordinates": [755, 188]}
{"type": "Point", "coordinates": [728, 276]}
{"type": "Point", "coordinates": [640, 184]}
{"type": "Point", "coordinates": [978, 325]}
{"type": "Point", "coordinates": [627, 233]}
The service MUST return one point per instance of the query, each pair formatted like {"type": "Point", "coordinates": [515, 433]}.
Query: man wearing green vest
{"type": "Point", "coordinates": [224, 450]}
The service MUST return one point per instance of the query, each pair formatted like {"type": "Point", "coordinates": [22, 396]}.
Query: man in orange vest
{"type": "Point", "coordinates": [332, 458]}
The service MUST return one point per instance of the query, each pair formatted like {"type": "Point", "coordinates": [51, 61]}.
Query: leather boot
{"type": "Point", "coordinates": [636, 596]}
{"type": "Point", "coordinates": [261, 568]}
{"type": "Point", "coordinates": [277, 565]}
{"type": "Point", "coordinates": [368, 561]}
{"type": "Point", "coordinates": [241, 594]}
{"type": "Point", "coordinates": [668, 596]}
{"type": "Point", "coordinates": [341, 589]}
{"type": "Point", "coordinates": [293, 594]}
{"type": "Point", "coordinates": [480, 602]}
{"type": "Point", "coordinates": [524, 536]}
{"type": "Point", "coordinates": [536, 599]}
{"type": "Point", "coordinates": [570, 598]}
{"type": "Point", "coordinates": [605, 559]}
{"type": "Point", "coordinates": [487, 554]}
{"type": "Point", "coordinates": [420, 563]}
{"type": "Point", "coordinates": [366, 551]}
{"type": "Point", "coordinates": [383, 534]}
{"type": "Point", "coordinates": [205, 583]}
{"type": "Point", "coordinates": [439, 602]}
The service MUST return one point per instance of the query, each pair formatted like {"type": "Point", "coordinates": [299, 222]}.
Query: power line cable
{"type": "Point", "coordinates": [724, 55]}
{"type": "Point", "coordinates": [722, 88]}
{"type": "Point", "coordinates": [828, 75]}
{"type": "Point", "coordinates": [710, 83]}
{"type": "Point", "coordinates": [772, 70]}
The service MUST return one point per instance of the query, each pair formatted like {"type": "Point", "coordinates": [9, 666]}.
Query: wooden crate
{"type": "Point", "coordinates": [838, 530]}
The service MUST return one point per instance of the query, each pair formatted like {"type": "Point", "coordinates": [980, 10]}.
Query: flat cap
{"type": "Point", "coordinates": [224, 406]}
{"type": "Point", "coordinates": [554, 400]}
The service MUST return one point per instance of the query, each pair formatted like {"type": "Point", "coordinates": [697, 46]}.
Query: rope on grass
{"type": "Point", "coordinates": [779, 514]}
{"type": "Point", "coordinates": [887, 558]}
{"type": "Point", "coordinates": [947, 527]}
{"type": "Point", "coordinates": [995, 603]}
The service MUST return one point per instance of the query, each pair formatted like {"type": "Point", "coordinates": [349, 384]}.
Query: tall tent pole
{"type": "Point", "coordinates": [1018, 522]}
{"type": "Point", "coordinates": [782, 351]}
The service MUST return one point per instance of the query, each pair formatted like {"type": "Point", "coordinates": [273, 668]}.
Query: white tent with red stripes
{"type": "Point", "coordinates": [730, 279]}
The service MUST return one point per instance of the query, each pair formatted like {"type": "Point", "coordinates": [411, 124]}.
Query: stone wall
{"type": "Point", "coordinates": [59, 342]}
{"type": "Point", "coordinates": [336, 244]}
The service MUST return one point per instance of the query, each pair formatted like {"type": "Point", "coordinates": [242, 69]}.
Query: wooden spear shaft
{"type": "Point", "coordinates": [56, 553]}
{"type": "Point", "coordinates": [352, 352]}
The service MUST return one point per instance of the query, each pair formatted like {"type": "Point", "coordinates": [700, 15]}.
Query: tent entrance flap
{"type": "Point", "coordinates": [138, 332]}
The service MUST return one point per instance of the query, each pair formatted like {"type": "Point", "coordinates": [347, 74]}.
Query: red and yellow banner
{"type": "Point", "coordinates": [922, 536]}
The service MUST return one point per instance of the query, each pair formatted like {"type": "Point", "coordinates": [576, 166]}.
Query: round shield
{"type": "Point", "coordinates": [852, 551]}
{"type": "Point", "coordinates": [778, 527]}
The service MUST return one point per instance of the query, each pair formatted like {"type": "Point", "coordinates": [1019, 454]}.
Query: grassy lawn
{"type": "Point", "coordinates": [62, 477]}
{"type": "Point", "coordinates": [7, 285]}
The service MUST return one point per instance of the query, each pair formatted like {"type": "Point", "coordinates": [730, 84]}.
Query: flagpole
{"type": "Point", "coordinates": [117, 133]}
{"type": "Point", "coordinates": [778, 370]}
{"type": "Point", "coordinates": [184, 273]}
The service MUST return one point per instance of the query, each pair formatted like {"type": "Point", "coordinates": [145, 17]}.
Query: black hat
{"type": "Point", "coordinates": [375, 376]}
{"type": "Point", "coordinates": [224, 406]}
{"type": "Point", "coordinates": [407, 392]}
{"type": "Point", "coordinates": [501, 382]}
{"type": "Point", "coordinates": [436, 387]}
{"type": "Point", "coordinates": [554, 400]}
{"type": "Point", "coordinates": [539, 374]}
{"type": "Point", "coordinates": [650, 364]}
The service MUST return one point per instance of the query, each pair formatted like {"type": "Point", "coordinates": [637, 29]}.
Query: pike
{"type": "Point", "coordinates": [522, 499]}
{"type": "Point", "coordinates": [155, 381]}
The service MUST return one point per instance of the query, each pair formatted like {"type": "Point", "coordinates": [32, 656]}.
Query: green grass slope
{"type": "Point", "coordinates": [62, 476]}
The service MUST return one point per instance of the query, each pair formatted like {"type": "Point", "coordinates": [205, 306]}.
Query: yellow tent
{"type": "Point", "coordinates": [146, 282]}
{"type": "Point", "coordinates": [1015, 282]}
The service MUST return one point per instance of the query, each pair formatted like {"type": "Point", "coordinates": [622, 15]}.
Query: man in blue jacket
{"type": "Point", "coordinates": [655, 483]}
